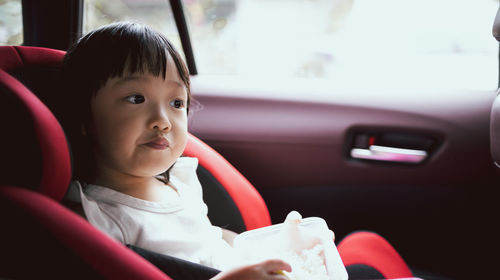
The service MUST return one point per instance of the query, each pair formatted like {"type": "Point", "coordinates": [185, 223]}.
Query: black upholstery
{"type": "Point", "coordinates": [175, 267]}
{"type": "Point", "coordinates": [42, 80]}
{"type": "Point", "coordinates": [20, 166]}
{"type": "Point", "coordinates": [222, 211]}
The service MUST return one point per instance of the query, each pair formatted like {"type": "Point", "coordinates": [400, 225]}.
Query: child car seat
{"type": "Point", "coordinates": [38, 170]}
{"type": "Point", "coordinates": [233, 201]}
{"type": "Point", "coordinates": [41, 224]}
{"type": "Point", "coordinates": [40, 238]}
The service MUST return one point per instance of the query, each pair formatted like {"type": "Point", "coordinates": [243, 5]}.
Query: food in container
{"type": "Point", "coordinates": [306, 244]}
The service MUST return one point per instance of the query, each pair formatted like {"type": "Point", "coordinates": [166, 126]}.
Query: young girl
{"type": "Point", "coordinates": [127, 100]}
{"type": "Point", "coordinates": [125, 109]}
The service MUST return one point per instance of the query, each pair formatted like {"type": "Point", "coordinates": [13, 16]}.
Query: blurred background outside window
{"type": "Point", "coordinates": [154, 13]}
{"type": "Point", "coordinates": [370, 42]}
{"type": "Point", "coordinates": [11, 22]}
{"type": "Point", "coordinates": [348, 41]}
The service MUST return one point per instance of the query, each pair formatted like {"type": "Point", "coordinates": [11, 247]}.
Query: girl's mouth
{"type": "Point", "coordinates": [159, 143]}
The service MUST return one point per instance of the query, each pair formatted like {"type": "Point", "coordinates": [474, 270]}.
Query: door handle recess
{"type": "Point", "coordinates": [389, 154]}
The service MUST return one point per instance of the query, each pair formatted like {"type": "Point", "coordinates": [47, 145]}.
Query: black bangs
{"type": "Point", "coordinates": [118, 49]}
{"type": "Point", "coordinates": [147, 53]}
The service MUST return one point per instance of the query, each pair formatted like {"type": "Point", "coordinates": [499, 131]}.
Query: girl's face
{"type": "Point", "coordinates": [139, 124]}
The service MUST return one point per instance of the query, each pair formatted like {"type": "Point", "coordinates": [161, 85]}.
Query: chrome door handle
{"type": "Point", "coordinates": [389, 154]}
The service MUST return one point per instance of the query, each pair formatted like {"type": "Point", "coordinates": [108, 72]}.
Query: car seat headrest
{"type": "Point", "coordinates": [33, 146]}
{"type": "Point", "coordinates": [37, 68]}
{"type": "Point", "coordinates": [15, 57]}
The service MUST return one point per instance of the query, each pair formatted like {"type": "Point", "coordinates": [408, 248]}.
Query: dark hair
{"type": "Point", "coordinates": [109, 51]}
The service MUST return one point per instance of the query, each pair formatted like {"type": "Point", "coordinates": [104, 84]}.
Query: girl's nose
{"type": "Point", "coordinates": [160, 121]}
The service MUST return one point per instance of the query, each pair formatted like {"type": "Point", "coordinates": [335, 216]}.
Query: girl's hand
{"type": "Point", "coordinates": [265, 270]}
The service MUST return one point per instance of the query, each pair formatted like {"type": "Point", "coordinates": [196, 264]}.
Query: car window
{"type": "Point", "coordinates": [11, 22]}
{"type": "Point", "coordinates": [351, 41]}
{"type": "Point", "coordinates": [155, 13]}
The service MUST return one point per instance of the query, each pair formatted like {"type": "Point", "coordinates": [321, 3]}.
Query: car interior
{"type": "Point", "coordinates": [419, 168]}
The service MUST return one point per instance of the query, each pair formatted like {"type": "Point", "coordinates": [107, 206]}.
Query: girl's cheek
{"type": "Point", "coordinates": [182, 118]}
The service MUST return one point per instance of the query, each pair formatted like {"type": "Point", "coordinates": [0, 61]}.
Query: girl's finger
{"type": "Point", "coordinates": [277, 265]}
{"type": "Point", "coordinates": [281, 275]}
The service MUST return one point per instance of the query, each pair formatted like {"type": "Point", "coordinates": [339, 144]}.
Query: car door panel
{"type": "Point", "coordinates": [314, 137]}
{"type": "Point", "coordinates": [295, 149]}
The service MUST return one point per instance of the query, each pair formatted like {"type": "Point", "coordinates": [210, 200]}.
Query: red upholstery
{"type": "Point", "coordinates": [14, 57]}
{"type": "Point", "coordinates": [251, 205]}
{"type": "Point", "coordinates": [56, 162]}
{"type": "Point", "coordinates": [373, 250]}
{"type": "Point", "coordinates": [10, 58]}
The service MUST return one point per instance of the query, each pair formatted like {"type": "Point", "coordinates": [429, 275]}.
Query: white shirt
{"type": "Point", "coordinates": [178, 228]}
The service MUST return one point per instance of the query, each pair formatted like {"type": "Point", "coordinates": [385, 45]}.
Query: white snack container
{"type": "Point", "coordinates": [306, 244]}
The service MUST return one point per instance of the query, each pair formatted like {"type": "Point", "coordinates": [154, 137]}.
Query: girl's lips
{"type": "Point", "coordinates": [158, 143]}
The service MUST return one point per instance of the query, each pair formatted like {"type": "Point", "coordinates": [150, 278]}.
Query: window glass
{"type": "Point", "coordinates": [154, 13]}
{"type": "Point", "coordinates": [11, 22]}
{"type": "Point", "coordinates": [346, 40]}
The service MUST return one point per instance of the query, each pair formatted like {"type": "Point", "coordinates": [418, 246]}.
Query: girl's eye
{"type": "Point", "coordinates": [178, 104]}
{"type": "Point", "coordinates": [136, 99]}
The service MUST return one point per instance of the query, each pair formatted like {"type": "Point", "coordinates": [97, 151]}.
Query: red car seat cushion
{"type": "Point", "coordinates": [371, 249]}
